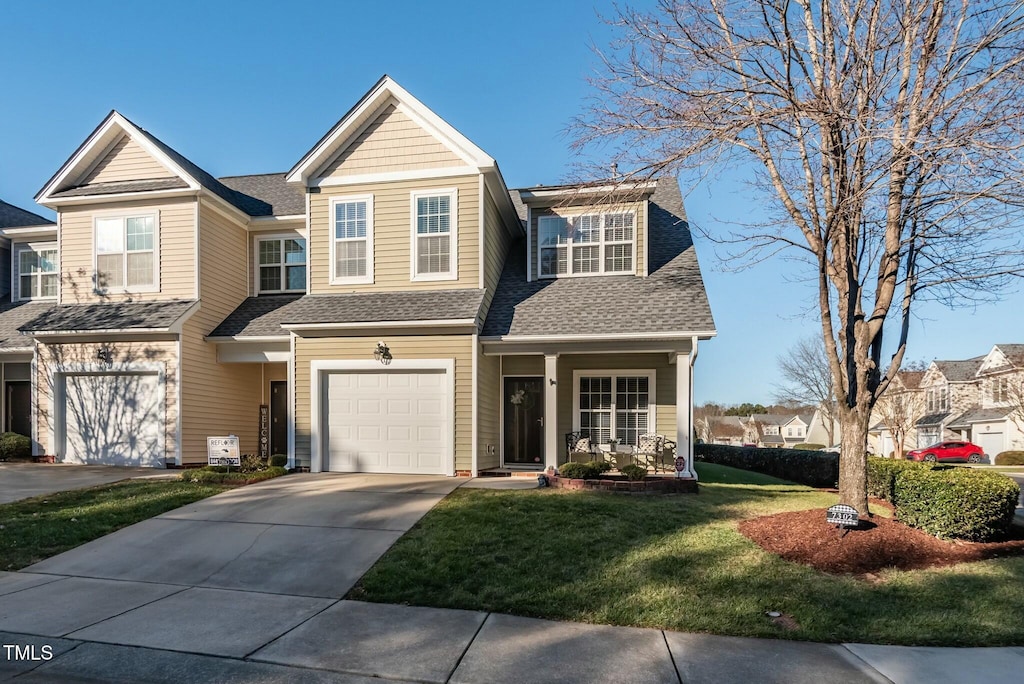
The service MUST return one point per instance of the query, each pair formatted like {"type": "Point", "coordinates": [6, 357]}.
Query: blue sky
{"type": "Point", "coordinates": [248, 87]}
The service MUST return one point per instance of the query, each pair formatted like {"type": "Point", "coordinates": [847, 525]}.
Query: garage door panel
{"type": "Point", "coordinates": [990, 442]}
{"type": "Point", "coordinates": [113, 419]}
{"type": "Point", "coordinates": [391, 421]}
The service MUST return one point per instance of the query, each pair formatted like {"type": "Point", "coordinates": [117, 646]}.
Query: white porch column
{"type": "Point", "coordinates": [684, 409]}
{"type": "Point", "coordinates": [551, 410]}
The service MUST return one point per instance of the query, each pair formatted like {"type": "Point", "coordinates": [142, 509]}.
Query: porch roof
{"type": "Point", "coordinates": [109, 316]}
{"type": "Point", "coordinates": [978, 415]}
{"type": "Point", "coordinates": [932, 419]}
{"type": "Point", "coordinates": [12, 316]}
{"type": "Point", "coordinates": [670, 300]}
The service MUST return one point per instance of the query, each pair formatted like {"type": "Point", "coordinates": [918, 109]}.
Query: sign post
{"type": "Point", "coordinates": [223, 451]}
{"type": "Point", "coordinates": [843, 517]}
{"type": "Point", "coordinates": [264, 432]}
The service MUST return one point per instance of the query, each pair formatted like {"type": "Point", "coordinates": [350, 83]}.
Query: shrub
{"type": "Point", "coordinates": [14, 446]}
{"type": "Point", "coordinates": [956, 503]}
{"type": "Point", "coordinates": [279, 460]}
{"type": "Point", "coordinates": [252, 463]}
{"type": "Point", "coordinates": [633, 472]}
{"type": "Point", "coordinates": [809, 446]}
{"type": "Point", "coordinates": [811, 468]}
{"type": "Point", "coordinates": [882, 473]}
{"type": "Point", "coordinates": [1005, 458]}
{"type": "Point", "coordinates": [217, 475]}
{"type": "Point", "coordinates": [584, 471]}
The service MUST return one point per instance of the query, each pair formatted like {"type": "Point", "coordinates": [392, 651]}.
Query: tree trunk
{"type": "Point", "coordinates": [853, 459]}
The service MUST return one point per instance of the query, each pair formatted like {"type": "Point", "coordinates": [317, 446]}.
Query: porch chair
{"type": "Point", "coordinates": [648, 450]}
{"type": "Point", "coordinates": [578, 449]}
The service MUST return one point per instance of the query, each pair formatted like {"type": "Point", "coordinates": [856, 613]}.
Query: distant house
{"type": "Point", "coordinates": [729, 430]}
{"type": "Point", "coordinates": [781, 429]}
{"type": "Point", "coordinates": [949, 388]}
{"type": "Point", "coordinates": [896, 414]}
{"type": "Point", "coordinates": [993, 421]}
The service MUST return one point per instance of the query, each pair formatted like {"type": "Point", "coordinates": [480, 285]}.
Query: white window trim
{"type": "Point", "coordinates": [453, 240]}
{"type": "Point", "coordinates": [351, 280]}
{"type": "Point", "coordinates": [652, 402]}
{"type": "Point", "coordinates": [124, 215]}
{"type": "Point", "coordinates": [16, 250]}
{"type": "Point", "coordinates": [569, 244]}
{"type": "Point", "coordinates": [256, 261]}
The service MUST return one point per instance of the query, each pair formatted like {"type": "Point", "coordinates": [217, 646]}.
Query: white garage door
{"type": "Point", "coordinates": [387, 422]}
{"type": "Point", "coordinates": [113, 419]}
{"type": "Point", "coordinates": [990, 442]}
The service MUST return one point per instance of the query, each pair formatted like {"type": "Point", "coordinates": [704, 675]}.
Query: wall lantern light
{"type": "Point", "coordinates": [106, 355]}
{"type": "Point", "coordinates": [382, 353]}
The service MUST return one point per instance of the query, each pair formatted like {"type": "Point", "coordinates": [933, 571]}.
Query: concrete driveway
{"type": "Point", "coordinates": [24, 480]}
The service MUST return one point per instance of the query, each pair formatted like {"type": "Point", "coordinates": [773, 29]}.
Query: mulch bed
{"type": "Point", "coordinates": [805, 537]}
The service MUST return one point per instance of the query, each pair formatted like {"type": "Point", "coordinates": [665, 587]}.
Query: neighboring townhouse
{"type": "Point", "coordinates": [896, 414]}
{"type": "Point", "coordinates": [995, 422]}
{"type": "Point", "coordinates": [730, 430]}
{"type": "Point", "coordinates": [781, 429]}
{"type": "Point", "coordinates": [387, 305]}
{"type": "Point", "coordinates": [949, 388]}
{"type": "Point", "coordinates": [28, 283]}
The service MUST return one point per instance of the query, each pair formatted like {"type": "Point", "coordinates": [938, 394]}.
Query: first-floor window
{"type": "Point", "coordinates": [126, 252]}
{"type": "Point", "coordinates": [616, 406]}
{"type": "Point", "coordinates": [282, 265]}
{"type": "Point", "coordinates": [37, 271]}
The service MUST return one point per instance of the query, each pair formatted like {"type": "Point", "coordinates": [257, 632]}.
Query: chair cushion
{"type": "Point", "coordinates": [649, 444]}
{"type": "Point", "coordinates": [582, 444]}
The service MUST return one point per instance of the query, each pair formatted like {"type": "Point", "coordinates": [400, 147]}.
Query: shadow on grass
{"type": "Point", "coordinates": [678, 562]}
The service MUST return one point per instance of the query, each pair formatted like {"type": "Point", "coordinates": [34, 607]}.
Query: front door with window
{"type": "Point", "coordinates": [19, 408]}
{"type": "Point", "coordinates": [278, 417]}
{"type": "Point", "coordinates": [524, 421]}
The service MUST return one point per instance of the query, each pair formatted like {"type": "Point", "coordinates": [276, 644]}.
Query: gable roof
{"type": "Point", "coordinates": [382, 92]}
{"type": "Point", "coordinates": [670, 301]}
{"type": "Point", "coordinates": [911, 379]}
{"type": "Point", "coordinates": [16, 217]}
{"type": "Point", "coordinates": [276, 197]}
{"type": "Point", "coordinates": [960, 371]}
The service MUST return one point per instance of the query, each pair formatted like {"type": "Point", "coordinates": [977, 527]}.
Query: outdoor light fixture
{"type": "Point", "coordinates": [106, 355]}
{"type": "Point", "coordinates": [382, 353]}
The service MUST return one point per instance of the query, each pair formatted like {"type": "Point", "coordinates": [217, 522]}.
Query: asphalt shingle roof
{"type": "Point", "coordinates": [12, 216]}
{"type": "Point", "coordinates": [671, 299]}
{"type": "Point", "coordinates": [932, 419]}
{"type": "Point", "coordinates": [960, 371]}
{"type": "Point", "coordinates": [978, 415]}
{"type": "Point", "coordinates": [261, 316]}
{"type": "Point", "coordinates": [12, 316]}
{"type": "Point", "coordinates": [270, 189]}
{"type": "Point", "coordinates": [108, 316]}
{"type": "Point", "coordinates": [122, 186]}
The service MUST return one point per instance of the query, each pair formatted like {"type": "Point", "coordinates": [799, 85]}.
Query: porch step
{"type": "Point", "coordinates": [508, 472]}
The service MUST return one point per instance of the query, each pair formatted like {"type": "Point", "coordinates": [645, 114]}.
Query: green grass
{"type": "Point", "coordinates": [678, 562]}
{"type": "Point", "coordinates": [37, 528]}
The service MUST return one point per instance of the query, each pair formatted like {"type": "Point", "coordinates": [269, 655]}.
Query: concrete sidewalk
{"type": "Point", "coordinates": [24, 480]}
{"type": "Point", "coordinates": [358, 643]}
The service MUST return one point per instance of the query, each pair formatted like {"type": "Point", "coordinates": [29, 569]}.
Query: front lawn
{"type": "Point", "coordinates": [34, 529]}
{"type": "Point", "coordinates": [678, 562]}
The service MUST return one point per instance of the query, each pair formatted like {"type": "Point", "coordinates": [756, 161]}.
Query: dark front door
{"type": "Point", "coordinates": [278, 417]}
{"type": "Point", "coordinates": [19, 408]}
{"type": "Point", "coordinates": [524, 421]}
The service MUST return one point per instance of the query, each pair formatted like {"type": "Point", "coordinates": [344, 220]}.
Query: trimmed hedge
{"type": "Point", "coordinates": [216, 475]}
{"type": "Point", "coordinates": [279, 460]}
{"type": "Point", "coordinates": [633, 472]}
{"type": "Point", "coordinates": [583, 471]}
{"type": "Point", "coordinates": [882, 474]}
{"type": "Point", "coordinates": [1010, 458]}
{"type": "Point", "coordinates": [15, 447]}
{"type": "Point", "coordinates": [811, 468]}
{"type": "Point", "coordinates": [808, 446]}
{"type": "Point", "coordinates": [956, 503]}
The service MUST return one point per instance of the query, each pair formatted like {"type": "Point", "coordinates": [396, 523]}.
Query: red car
{"type": "Point", "coordinates": [948, 451]}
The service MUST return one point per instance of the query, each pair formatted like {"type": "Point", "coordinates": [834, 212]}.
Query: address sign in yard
{"type": "Point", "coordinates": [842, 515]}
{"type": "Point", "coordinates": [223, 451]}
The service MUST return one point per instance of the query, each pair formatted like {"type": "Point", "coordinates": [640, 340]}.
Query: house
{"type": "Point", "coordinates": [780, 429]}
{"type": "Point", "coordinates": [28, 279]}
{"type": "Point", "coordinates": [386, 305]}
{"type": "Point", "coordinates": [948, 388]}
{"type": "Point", "coordinates": [731, 430]}
{"type": "Point", "coordinates": [994, 421]}
{"type": "Point", "coordinates": [896, 414]}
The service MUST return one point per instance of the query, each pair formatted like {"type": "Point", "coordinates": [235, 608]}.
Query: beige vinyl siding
{"type": "Point", "coordinates": [392, 142]}
{"type": "Point", "coordinates": [522, 365]}
{"type": "Point", "coordinates": [126, 161]}
{"type": "Point", "coordinates": [457, 347]}
{"type": "Point", "coordinates": [217, 398]}
{"type": "Point", "coordinates": [488, 394]}
{"type": "Point", "coordinates": [52, 356]}
{"type": "Point", "coordinates": [639, 209]}
{"type": "Point", "coordinates": [254, 252]}
{"type": "Point", "coordinates": [272, 372]}
{"type": "Point", "coordinates": [392, 235]}
{"type": "Point", "coordinates": [176, 228]}
{"type": "Point", "coordinates": [496, 245]}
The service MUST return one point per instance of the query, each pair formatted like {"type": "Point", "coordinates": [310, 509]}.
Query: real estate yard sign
{"type": "Point", "coordinates": [223, 451]}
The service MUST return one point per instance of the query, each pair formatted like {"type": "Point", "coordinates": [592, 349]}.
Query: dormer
{"type": "Point", "coordinates": [596, 229]}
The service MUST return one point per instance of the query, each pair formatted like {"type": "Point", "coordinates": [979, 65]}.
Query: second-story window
{"type": "Point", "coordinates": [1000, 390]}
{"type": "Point", "coordinates": [587, 244]}
{"type": "Point", "coordinates": [282, 265]}
{"type": "Point", "coordinates": [37, 271]}
{"type": "Point", "coordinates": [352, 240]}
{"type": "Point", "coordinates": [434, 235]}
{"type": "Point", "coordinates": [126, 252]}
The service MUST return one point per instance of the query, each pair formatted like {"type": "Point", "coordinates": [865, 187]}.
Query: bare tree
{"type": "Point", "coordinates": [1012, 392]}
{"type": "Point", "coordinates": [808, 380]}
{"type": "Point", "coordinates": [901, 406]}
{"type": "Point", "coordinates": [885, 137]}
